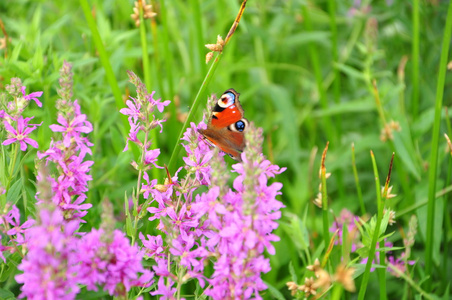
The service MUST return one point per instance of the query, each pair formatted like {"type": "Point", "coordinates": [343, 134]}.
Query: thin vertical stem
{"type": "Point", "coordinates": [329, 129]}
{"type": "Point", "coordinates": [433, 166]}
{"type": "Point", "coordinates": [147, 77]}
{"type": "Point", "coordinates": [104, 58]}
{"type": "Point", "coordinates": [415, 59]}
{"type": "Point", "coordinates": [326, 224]}
{"type": "Point", "coordinates": [358, 186]}
{"type": "Point", "coordinates": [366, 275]}
{"type": "Point", "coordinates": [203, 87]}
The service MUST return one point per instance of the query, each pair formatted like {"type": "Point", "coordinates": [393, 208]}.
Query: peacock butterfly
{"type": "Point", "coordinates": [226, 126]}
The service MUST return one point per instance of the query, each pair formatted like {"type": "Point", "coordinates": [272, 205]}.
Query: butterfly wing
{"type": "Point", "coordinates": [228, 141]}
{"type": "Point", "coordinates": [226, 126]}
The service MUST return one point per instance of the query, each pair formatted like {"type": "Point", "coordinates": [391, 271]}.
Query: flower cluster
{"type": "Point", "coordinates": [348, 221]}
{"type": "Point", "coordinates": [68, 153]}
{"type": "Point", "coordinates": [351, 222]}
{"type": "Point", "coordinates": [110, 262]}
{"type": "Point", "coordinates": [18, 127]}
{"type": "Point", "coordinates": [58, 260]}
{"type": "Point", "coordinates": [139, 112]}
{"type": "Point", "coordinates": [50, 265]}
{"type": "Point", "coordinates": [228, 229]}
{"type": "Point", "coordinates": [10, 226]}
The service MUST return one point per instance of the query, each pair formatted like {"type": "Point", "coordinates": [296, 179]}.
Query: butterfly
{"type": "Point", "coordinates": [226, 126]}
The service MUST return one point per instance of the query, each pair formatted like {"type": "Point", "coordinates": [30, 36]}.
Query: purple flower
{"type": "Point", "coordinates": [399, 263]}
{"type": "Point", "coordinates": [70, 183]}
{"type": "Point", "coordinates": [49, 269]}
{"type": "Point", "coordinates": [72, 127]}
{"type": "Point", "coordinates": [151, 156]}
{"type": "Point", "coordinates": [153, 245]}
{"type": "Point", "coordinates": [160, 105]}
{"type": "Point", "coordinates": [21, 133]}
{"type": "Point", "coordinates": [113, 264]}
{"type": "Point", "coordinates": [349, 220]}
{"type": "Point", "coordinates": [199, 163]}
{"type": "Point", "coordinates": [133, 112]}
{"type": "Point", "coordinates": [165, 289]}
{"type": "Point", "coordinates": [33, 96]}
{"type": "Point", "coordinates": [13, 218]}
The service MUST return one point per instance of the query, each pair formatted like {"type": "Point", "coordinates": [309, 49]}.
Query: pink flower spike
{"type": "Point", "coordinates": [32, 96]}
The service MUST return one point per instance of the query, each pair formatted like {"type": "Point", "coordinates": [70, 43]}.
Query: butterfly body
{"type": "Point", "coordinates": [226, 126]}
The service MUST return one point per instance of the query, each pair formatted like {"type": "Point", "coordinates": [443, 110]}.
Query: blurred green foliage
{"type": "Point", "coordinates": [294, 84]}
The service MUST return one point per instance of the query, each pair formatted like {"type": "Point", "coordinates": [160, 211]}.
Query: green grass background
{"type": "Point", "coordinates": [304, 70]}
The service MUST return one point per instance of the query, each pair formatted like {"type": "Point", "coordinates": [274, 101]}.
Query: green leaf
{"type": "Point", "coordinates": [129, 227]}
{"type": "Point", "coordinates": [6, 295]}
{"type": "Point", "coordinates": [298, 232]}
{"type": "Point", "coordinates": [12, 195]}
{"type": "Point", "coordinates": [350, 71]}
{"type": "Point", "coordinates": [274, 291]}
{"type": "Point", "coordinates": [292, 272]}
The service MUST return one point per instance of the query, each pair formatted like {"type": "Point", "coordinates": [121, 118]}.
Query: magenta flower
{"type": "Point", "coordinates": [33, 96]}
{"type": "Point", "coordinates": [71, 127]}
{"type": "Point", "coordinates": [348, 219]}
{"type": "Point", "coordinates": [21, 133]}
{"type": "Point", "coordinates": [166, 290]}
{"type": "Point", "coordinates": [133, 110]}
{"type": "Point", "coordinates": [399, 263]}
{"type": "Point", "coordinates": [49, 269]}
{"type": "Point", "coordinates": [151, 156]}
{"type": "Point", "coordinates": [70, 183]}
{"type": "Point", "coordinates": [13, 218]}
{"type": "Point", "coordinates": [153, 245]}
{"type": "Point", "coordinates": [110, 263]}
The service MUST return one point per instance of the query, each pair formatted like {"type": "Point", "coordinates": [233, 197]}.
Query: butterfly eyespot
{"type": "Point", "coordinates": [239, 126]}
{"type": "Point", "coordinates": [226, 100]}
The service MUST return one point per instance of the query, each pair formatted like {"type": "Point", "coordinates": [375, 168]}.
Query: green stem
{"type": "Point", "coordinates": [373, 246]}
{"type": "Point", "coordinates": [329, 129]}
{"type": "Point", "coordinates": [411, 282]}
{"type": "Point", "coordinates": [433, 166]}
{"type": "Point", "coordinates": [415, 59]}
{"type": "Point", "coordinates": [198, 33]}
{"type": "Point", "coordinates": [12, 162]}
{"type": "Point", "coordinates": [193, 110]}
{"type": "Point", "coordinates": [337, 292]}
{"type": "Point", "coordinates": [326, 225]}
{"type": "Point", "coordinates": [104, 59]}
{"type": "Point", "coordinates": [147, 80]}
{"type": "Point", "coordinates": [382, 273]}
{"type": "Point", "coordinates": [202, 89]}
{"type": "Point", "coordinates": [358, 186]}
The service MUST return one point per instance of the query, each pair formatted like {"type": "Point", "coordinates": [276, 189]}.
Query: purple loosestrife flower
{"type": "Point", "coordinates": [246, 226]}
{"type": "Point", "coordinates": [199, 154]}
{"type": "Point", "coordinates": [17, 229]}
{"type": "Point", "coordinates": [20, 134]}
{"type": "Point", "coordinates": [33, 96]}
{"type": "Point", "coordinates": [13, 109]}
{"type": "Point", "coordinates": [49, 268]}
{"type": "Point", "coordinates": [68, 154]}
{"type": "Point", "coordinates": [140, 113]}
{"type": "Point", "coordinates": [110, 262]}
{"type": "Point", "coordinates": [11, 228]}
{"type": "Point", "coordinates": [399, 263]}
{"type": "Point", "coordinates": [349, 220]}
{"type": "Point", "coordinates": [231, 227]}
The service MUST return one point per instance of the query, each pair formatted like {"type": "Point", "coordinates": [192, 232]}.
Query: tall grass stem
{"type": "Point", "coordinates": [433, 164]}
